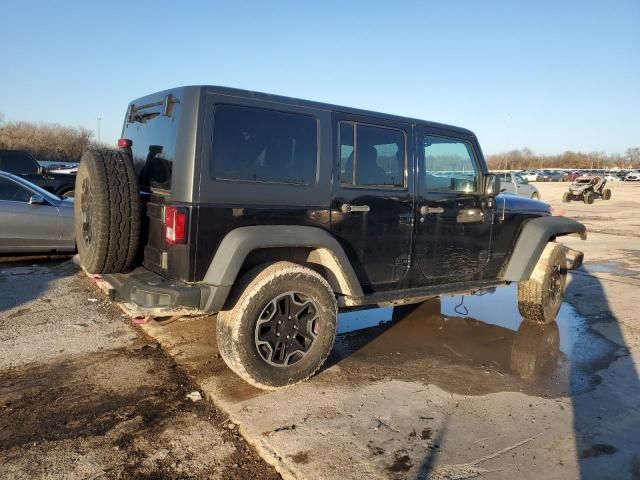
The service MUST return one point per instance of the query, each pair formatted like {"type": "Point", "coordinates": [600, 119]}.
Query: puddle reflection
{"type": "Point", "coordinates": [472, 344]}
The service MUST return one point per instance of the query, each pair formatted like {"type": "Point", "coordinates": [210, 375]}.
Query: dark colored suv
{"type": "Point", "coordinates": [23, 164]}
{"type": "Point", "coordinates": [276, 213]}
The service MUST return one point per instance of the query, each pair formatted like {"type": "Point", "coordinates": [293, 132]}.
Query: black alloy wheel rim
{"type": "Point", "coordinates": [85, 212]}
{"type": "Point", "coordinates": [287, 329]}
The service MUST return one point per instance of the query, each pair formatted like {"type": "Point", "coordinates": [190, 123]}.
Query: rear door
{"type": "Point", "coordinates": [26, 227]}
{"type": "Point", "coordinates": [453, 229]}
{"type": "Point", "coordinates": [372, 204]}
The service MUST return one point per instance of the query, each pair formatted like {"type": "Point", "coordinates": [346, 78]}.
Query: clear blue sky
{"type": "Point", "coordinates": [550, 75]}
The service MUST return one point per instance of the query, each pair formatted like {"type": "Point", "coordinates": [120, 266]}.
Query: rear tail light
{"type": "Point", "coordinates": [175, 220]}
{"type": "Point", "coordinates": [124, 143]}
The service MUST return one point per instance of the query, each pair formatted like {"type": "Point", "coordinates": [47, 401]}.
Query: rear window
{"type": "Point", "coordinates": [260, 145]}
{"type": "Point", "coordinates": [153, 134]}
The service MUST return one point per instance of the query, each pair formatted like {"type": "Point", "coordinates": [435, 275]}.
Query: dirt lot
{"type": "Point", "coordinates": [447, 390]}
{"type": "Point", "coordinates": [83, 395]}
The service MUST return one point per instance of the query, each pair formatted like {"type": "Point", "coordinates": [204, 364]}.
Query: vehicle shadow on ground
{"type": "Point", "coordinates": [23, 279]}
{"type": "Point", "coordinates": [604, 389]}
{"type": "Point", "coordinates": [606, 417]}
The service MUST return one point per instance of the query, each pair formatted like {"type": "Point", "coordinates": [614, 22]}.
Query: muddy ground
{"type": "Point", "coordinates": [453, 388]}
{"type": "Point", "coordinates": [83, 395]}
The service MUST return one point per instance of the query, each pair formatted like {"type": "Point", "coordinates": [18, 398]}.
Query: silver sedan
{"type": "Point", "coordinates": [32, 219]}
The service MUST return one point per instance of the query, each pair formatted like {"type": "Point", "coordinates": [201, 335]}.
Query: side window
{"type": "Point", "coordinates": [260, 145]}
{"type": "Point", "coordinates": [371, 156]}
{"type": "Point", "coordinates": [13, 192]}
{"type": "Point", "coordinates": [449, 165]}
{"type": "Point", "coordinates": [17, 163]}
{"type": "Point", "coordinates": [520, 180]}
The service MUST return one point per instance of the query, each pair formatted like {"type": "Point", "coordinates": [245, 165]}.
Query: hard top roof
{"type": "Point", "coordinates": [235, 92]}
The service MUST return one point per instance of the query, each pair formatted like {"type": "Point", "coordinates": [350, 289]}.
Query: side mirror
{"type": "Point", "coordinates": [491, 185]}
{"type": "Point", "coordinates": [41, 170]}
{"type": "Point", "coordinates": [36, 200]}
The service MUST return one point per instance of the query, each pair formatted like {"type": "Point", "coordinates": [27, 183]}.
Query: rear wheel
{"type": "Point", "coordinates": [606, 195]}
{"type": "Point", "coordinates": [588, 197]}
{"type": "Point", "coordinates": [566, 198]}
{"type": "Point", "coordinates": [535, 196]}
{"type": "Point", "coordinates": [107, 211]}
{"type": "Point", "coordinates": [279, 325]}
{"type": "Point", "coordinates": [540, 297]}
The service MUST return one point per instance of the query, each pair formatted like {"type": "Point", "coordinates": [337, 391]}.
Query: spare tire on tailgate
{"type": "Point", "coordinates": [107, 211]}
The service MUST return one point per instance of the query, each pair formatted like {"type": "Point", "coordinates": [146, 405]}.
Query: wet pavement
{"type": "Point", "coordinates": [474, 345]}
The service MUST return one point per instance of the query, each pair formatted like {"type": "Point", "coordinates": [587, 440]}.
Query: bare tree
{"type": "Point", "coordinates": [45, 141]}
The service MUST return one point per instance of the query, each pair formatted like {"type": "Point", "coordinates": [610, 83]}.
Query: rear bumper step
{"type": "Point", "coordinates": [152, 294]}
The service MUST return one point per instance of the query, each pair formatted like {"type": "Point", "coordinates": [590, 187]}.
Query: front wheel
{"type": "Point", "coordinates": [540, 297]}
{"type": "Point", "coordinates": [535, 196]}
{"type": "Point", "coordinates": [278, 326]}
{"type": "Point", "coordinates": [606, 195]}
{"type": "Point", "coordinates": [566, 198]}
{"type": "Point", "coordinates": [588, 198]}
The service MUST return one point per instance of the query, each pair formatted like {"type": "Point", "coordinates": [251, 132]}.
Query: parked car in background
{"type": "Point", "coordinates": [60, 167]}
{"type": "Point", "coordinates": [552, 176]}
{"type": "Point", "coordinates": [33, 220]}
{"type": "Point", "coordinates": [23, 164]}
{"type": "Point", "coordinates": [632, 177]}
{"type": "Point", "coordinates": [570, 176]}
{"type": "Point", "coordinates": [609, 177]}
{"type": "Point", "coordinates": [529, 176]}
{"type": "Point", "coordinates": [511, 182]}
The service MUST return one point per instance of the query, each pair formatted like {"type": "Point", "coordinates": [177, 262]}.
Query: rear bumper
{"type": "Point", "coordinates": [152, 294]}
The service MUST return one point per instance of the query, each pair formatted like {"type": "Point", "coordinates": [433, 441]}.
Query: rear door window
{"type": "Point", "coordinates": [267, 146]}
{"type": "Point", "coordinates": [372, 156]}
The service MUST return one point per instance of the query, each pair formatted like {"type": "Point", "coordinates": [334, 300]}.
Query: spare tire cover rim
{"type": "Point", "coordinates": [85, 209]}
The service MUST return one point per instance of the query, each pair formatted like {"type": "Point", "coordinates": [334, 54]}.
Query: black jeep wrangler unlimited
{"type": "Point", "coordinates": [276, 213]}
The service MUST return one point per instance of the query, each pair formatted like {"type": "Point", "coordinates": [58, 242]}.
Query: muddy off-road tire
{"type": "Point", "coordinates": [606, 195]}
{"type": "Point", "coordinates": [535, 349]}
{"type": "Point", "coordinates": [107, 211]}
{"type": "Point", "coordinates": [540, 297]}
{"type": "Point", "coordinates": [278, 326]}
{"type": "Point", "coordinates": [566, 198]}
{"type": "Point", "coordinates": [588, 198]}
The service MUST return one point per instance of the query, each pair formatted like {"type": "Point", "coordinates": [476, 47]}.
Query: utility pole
{"type": "Point", "coordinates": [99, 118]}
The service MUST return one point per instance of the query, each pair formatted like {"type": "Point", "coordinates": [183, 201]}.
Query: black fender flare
{"type": "Point", "coordinates": [240, 242]}
{"type": "Point", "coordinates": [533, 237]}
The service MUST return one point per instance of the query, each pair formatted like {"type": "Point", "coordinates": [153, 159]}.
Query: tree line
{"type": "Point", "coordinates": [46, 141]}
{"type": "Point", "coordinates": [526, 159]}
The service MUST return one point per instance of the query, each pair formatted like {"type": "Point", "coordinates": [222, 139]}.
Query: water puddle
{"type": "Point", "coordinates": [474, 344]}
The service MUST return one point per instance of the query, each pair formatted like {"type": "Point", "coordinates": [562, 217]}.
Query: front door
{"type": "Point", "coordinates": [26, 227]}
{"type": "Point", "coordinates": [453, 227]}
{"type": "Point", "coordinates": [372, 205]}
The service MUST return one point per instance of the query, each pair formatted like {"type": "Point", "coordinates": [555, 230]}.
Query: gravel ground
{"type": "Point", "coordinates": [83, 395]}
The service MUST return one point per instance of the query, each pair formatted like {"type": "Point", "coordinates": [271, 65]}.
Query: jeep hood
{"type": "Point", "coordinates": [516, 203]}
